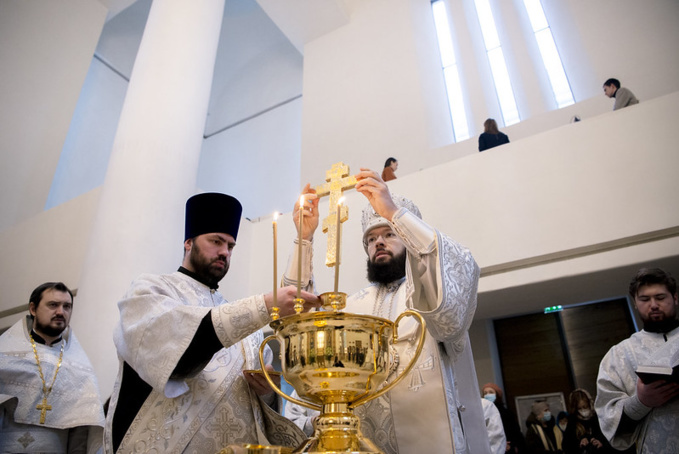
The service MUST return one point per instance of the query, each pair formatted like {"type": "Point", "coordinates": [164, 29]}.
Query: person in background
{"type": "Point", "coordinates": [515, 441]}
{"type": "Point", "coordinates": [583, 434]}
{"type": "Point", "coordinates": [390, 166]}
{"type": "Point", "coordinates": [560, 428]}
{"type": "Point", "coordinates": [491, 136]}
{"type": "Point", "coordinates": [630, 411]}
{"type": "Point", "coordinates": [540, 435]}
{"type": "Point", "coordinates": [49, 397]}
{"type": "Point", "coordinates": [623, 96]}
{"type": "Point", "coordinates": [496, 433]}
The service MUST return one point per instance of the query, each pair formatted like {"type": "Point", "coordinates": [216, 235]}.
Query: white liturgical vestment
{"type": "Point", "coordinates": [214, 408]}
{"type": "Point", "coordinates": [74, 399]}
{"type": "Point", "coordinates": [656, 429]}
{"type": "Point", "coordinates": [422, 414]}
{"type": "Point", "coordinates": [496, 432]}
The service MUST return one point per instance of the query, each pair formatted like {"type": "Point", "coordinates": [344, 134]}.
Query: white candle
{"type": "Point", "coordinates": [337, 242]}
{"type": "Point", "coordinates": [299, 249]}
{"type": "Point", "coordinates": [275, 259]}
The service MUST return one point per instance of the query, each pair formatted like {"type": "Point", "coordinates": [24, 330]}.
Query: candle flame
{"type": "Point", "coordinates": [340, 201]}
{"type": "Point", "coordinates": [275, 216]}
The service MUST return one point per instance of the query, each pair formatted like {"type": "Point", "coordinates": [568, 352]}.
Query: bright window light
{"type": "Point", "coordinates": [536, 14]}
{"type": "Point", "coordinates": [487, 22]}
{"type": "Point", "coordinates": [450, 72]}
{"type": "Point", "coordinates": [550, 54]}
{"type": "Point", "coordinates": [498, 66]}
{"type": "Point", "coordinates": [503, 86]}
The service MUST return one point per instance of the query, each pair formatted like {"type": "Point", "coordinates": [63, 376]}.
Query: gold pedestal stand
{"type": "Point", "coordinates": [337, 361]}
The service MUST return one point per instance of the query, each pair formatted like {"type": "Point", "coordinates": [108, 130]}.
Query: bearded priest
{"type": "Point", "coordinates": [49, 397]}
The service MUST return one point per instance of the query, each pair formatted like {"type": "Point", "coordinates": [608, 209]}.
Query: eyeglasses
{"type": "Point", "coordinates": [386, 236]}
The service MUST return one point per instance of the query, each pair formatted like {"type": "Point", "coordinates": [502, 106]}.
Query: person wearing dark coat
{"type": "Point", "coordinates": [491, 136]}
{"type": "Point", "coordinates": [540, 436]}
{"type": "Point", "coordinates": [583, 434]}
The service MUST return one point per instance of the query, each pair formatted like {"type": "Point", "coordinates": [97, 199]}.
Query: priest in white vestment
{"type": "Point", "coordinates": [183, 350]}
{"type": "Point", "coordinates": [49, 397]}
{"type": "Point", "coordinates": [631, 412]}
{"type": "Point", "coordinates": [411, 265]}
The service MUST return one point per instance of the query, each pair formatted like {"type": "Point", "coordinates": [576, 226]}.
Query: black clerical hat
{"type": "Point", "coordinates": [212, 212]}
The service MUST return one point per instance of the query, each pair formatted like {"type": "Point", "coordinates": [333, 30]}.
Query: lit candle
{"type": "Point", "coordinates": [337, 242]}
{"type": "Point", "coordinates": [299, 249]}
{"type": "Point", "coordinates": [275, 259]}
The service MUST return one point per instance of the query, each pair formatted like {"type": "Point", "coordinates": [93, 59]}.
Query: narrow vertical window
{"type": "Point", "coordinates": [550, 54]}
{"type": "Point", "coordinates": [450, 72]}
{"type": "Point", "coordinates": [498, 66]}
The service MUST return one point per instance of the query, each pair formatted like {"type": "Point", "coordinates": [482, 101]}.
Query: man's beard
{"type": "Point", "coordinates": [202, 266]}
{"type": "Point", "coordinates": [48, 329]}
{"type": "Point", "coordinates": [389, 271]}
{"type": "Point", "coordinates": [663, 326]}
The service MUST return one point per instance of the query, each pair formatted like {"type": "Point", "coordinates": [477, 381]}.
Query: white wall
{"type": "Point", "coordinates": [371, 92]}
{"type": "Point", "coordinates": [43, 67]}
{"type": "Point", "coordinates": [256, 68]}
{"type": "Point", "coordinates": [255, 93]}
{"type": "Point", "coordinates": [48, 247]}
{"type": "Point", "coordinates": [261, 170]}
{"type": "Point", "coordinates": [629, 40]}
{"type": "Point", "coordinates": [84, 158]}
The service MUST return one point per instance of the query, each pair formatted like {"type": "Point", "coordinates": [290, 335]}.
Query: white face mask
{"type": "Point", "coordinates": [563, 427]}
{"type": "Point", "coordinates": [490, 397]}
{"type": "Point", "coordinates": [546, 416]}
{"type": "Point", "coordinates": [585, 413]}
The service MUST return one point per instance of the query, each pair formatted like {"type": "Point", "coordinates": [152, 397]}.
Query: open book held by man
{"type": "Point", "coordinates": [654, 372]}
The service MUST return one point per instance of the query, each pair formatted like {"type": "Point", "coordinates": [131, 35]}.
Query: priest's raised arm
{"type": "Point", "coordinates": [412, 265]}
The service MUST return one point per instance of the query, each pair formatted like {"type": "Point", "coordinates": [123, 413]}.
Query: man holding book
{"type": "Point", "coordinates": [644, 412]}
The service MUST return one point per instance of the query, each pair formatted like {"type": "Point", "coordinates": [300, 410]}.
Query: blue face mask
{"type": "Point", "coordinates": [547, 416]}
{"type": "Point", "coordinates": [490, 397]}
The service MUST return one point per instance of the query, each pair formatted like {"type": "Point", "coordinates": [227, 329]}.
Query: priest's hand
{"type": "Point", "coordinates": [260, 386]}
{"type": "Point", "coordinates": [310, 213]}
{"type": "Point", "coordinates": [371, 185]}
{"type": "Point", "coordinates": [657, 393]}
{"type": "Point", "coordinates": [286, 300]}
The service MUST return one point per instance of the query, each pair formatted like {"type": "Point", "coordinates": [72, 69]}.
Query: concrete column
{"type": "Point", "coordinates": [152, 169]}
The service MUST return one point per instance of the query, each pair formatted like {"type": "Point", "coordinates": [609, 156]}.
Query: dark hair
{"type": "Point", "coordinates": [490, 126]}
{"type": "Point", "coordinates": [649, 276]}
{"type": "Point", "coordinates": [612, 81]}
{"type": "Point", "coordinates": [389, 161]}
{"type": "Point", "coordinates": [36, 295]}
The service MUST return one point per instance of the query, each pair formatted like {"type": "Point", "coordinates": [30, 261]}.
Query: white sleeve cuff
{"type": "Point", "coordinates": [418, 236]}
{"type": "Point", "coordinates": [175, 388]}
{"type": "Point", "coordinates": [635, 409]}
{"type": "Point", "coordinates": [237, 320]}
{"type": "Point", "coordinates": [290, 275]}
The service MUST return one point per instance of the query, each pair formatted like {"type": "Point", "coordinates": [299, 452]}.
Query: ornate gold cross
{"type": "Point", "coordinates": [338, 181]}
{"type": "Point", "coordinates": [44, 408]}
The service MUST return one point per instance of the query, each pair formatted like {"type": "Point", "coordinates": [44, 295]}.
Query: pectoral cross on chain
{"type": "Point", "coordinates": [338, 181]}
{"type": "Point", "coordinates": [44, 408]}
